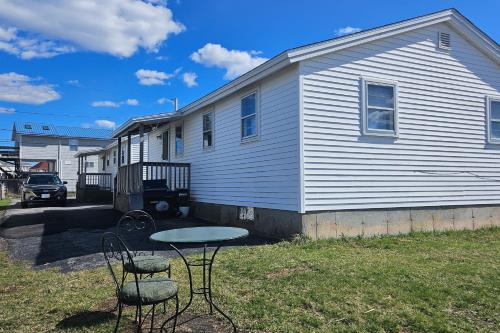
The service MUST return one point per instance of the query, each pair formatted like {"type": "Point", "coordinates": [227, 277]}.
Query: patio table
{"type": "Point", "coordinates": [217, 236]}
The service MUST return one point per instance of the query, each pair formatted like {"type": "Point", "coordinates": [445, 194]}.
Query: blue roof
{"type": "Point", "coordinates": [44, 129]}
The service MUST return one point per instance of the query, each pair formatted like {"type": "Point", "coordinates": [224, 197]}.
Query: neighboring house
{"type": "Point", "coordinates": [40, 167]}
{"type": "Point", "coordinates": [347, 136]}
{"type": "Point", "coordinates": [55, 146]}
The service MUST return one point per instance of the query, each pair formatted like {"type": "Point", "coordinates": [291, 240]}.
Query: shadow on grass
{"type": "Point", "coordinates": [86, 319]}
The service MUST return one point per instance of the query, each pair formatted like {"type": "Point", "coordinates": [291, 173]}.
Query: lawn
{"type": "Point", "coordinates": [4, 203]}
{"type": "Point", "coordinates": [447, 282]}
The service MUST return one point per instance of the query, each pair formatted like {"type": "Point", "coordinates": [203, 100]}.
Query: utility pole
{"type": "Point", "coordinates": [175, 101]}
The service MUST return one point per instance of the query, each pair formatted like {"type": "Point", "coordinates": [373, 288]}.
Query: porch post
{"type": "Point", "coordinates": [119, 151]}
{"type": "Point", "coordinates": [85, 164]}
{"type": "Point", "coordinates": [78, 165]}
{"type": "Point", "coordinates": [141, 143]}
{"type": "Point", "coordinates": [129, 158]}
{"type": "Point", "coordinates": [129, 148]}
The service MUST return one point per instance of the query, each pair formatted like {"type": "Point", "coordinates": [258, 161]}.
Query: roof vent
{"type": "Point", "coordinates": [45, 127]}
{"type": "Point", "coordinates": [444, 41]}
{"type": "Point", "coordinates": [27, 126]}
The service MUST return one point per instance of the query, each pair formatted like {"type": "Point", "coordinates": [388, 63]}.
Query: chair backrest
{"type": "Point", "coordinates": [135, 227]}
{"type": "Point", "coordinates": [117, 254]}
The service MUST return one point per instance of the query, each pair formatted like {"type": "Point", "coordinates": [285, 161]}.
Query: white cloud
{"type": "Point", "coordinates": [346, 31]}
{"type": "Point", "coordinates": [20, 88]}
{"type": "Point", "coordinates": [235, 62]}
{"type": "Point", "coordinates": [74, 83]}
{"type": "Point", "coordinates": [105, 123]}
{"type": "Point", "coordinates": [162, 100]}
{"type": "Point", "coordinates": [7, 110]}
{"type": "Point", "coordinates": [29, 48]}
{"type": "Point", "coordinates": [189, 79]}
{"type": "Point", "coordinates": [148, 77]}
{"type": "Point", "coordinates": [111, 104]}
{"type": "Point", "coordinates": [116, 27]}
{"type": "Point", "coordinates": [105, 104]}
{"type": "Point", "coordinates": [132, 102]}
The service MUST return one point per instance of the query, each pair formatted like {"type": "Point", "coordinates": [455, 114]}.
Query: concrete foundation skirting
{"type": "Point", "coordinates": [365, 223]}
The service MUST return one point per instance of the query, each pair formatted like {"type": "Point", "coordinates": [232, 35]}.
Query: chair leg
{"type": "Point", "coordinates": [152, 318]}
{"type": "Point", "coordinates": [139, 324]}
{"type": "Point", "coordinates": [176, 312]}
{"type": "Point", "coordinates": [119, 317]}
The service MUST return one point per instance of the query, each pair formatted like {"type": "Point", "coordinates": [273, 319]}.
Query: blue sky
{"type": "Point", "coordinates": [102, 63]}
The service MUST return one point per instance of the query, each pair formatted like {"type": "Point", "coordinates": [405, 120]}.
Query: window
{"type": "Point", "coordinates": [107, 160]}
{"type": "Point", "coordinates": [208, 129]}
{"type": "Point", "coordinates": [179, 143]}
{"type": "Point", "coordinates": [493, 115]}
{"type": "Point", "coordinates": [27, 126]}
{"type": "Point", "coordinates": [73, 144]}
{"type": "Point", "coordinates": [89, 164]}
{"type": "Point", "coordinates": [379, 112]}
{"type": "Point", "coordinates": [123, 156]}
{"type": "Point", "coordinates": [249, 116]}
{"type": "Point", "coordinates": [114, 157]}
{"type": "Point", "coordinates": [45, 127]}
{"type": "Point", "coordinates": [165, 146]}
{"type": "Point", "coordinates": [103, 163]}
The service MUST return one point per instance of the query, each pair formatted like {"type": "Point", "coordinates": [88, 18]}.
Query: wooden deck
{"type": "Point", "coordinates": [130, 178]}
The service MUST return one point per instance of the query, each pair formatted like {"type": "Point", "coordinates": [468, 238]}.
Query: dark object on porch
{"type": "Point", "coordinates": [153, 186]}
{"type": "Point", "coordinates": [136, 292]}
{"type": "Point", "coordinates": [94, 188]}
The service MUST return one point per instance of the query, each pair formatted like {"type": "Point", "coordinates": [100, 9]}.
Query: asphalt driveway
{"type": "Point", "coordinates": [69, 237]}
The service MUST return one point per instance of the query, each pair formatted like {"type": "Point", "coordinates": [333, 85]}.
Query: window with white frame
{"type": "Point", "coordinates": [493, 108]}
{"type": "Point", "coordinates": [73, 144]}
{"type": "Point", "coordinates": [208, 130]}
{"type": "Point", "coordinates": [179, 142]}
{"type": "Point", "coordinates": [380, 108]}
{"type": "Point", "coordinates": [249, 116]}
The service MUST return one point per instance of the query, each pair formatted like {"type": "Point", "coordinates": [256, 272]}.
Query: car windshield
{"type": "Point", "coordinates": [44, 180]}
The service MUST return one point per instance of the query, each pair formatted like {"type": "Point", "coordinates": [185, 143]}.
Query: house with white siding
{"type": "Point", "coordinates": [57, 145]}
{"type": "Point", "coordinates": [387, 130]}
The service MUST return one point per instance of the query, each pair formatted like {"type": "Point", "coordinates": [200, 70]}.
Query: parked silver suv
{"type": "Point", "coordinates": [43, 187]}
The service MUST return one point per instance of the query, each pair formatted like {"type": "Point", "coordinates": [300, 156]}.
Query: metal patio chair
{"type": "Point", "coordinates": [136, 292]}
{"type": "Point", "coordinates": [135, 227]}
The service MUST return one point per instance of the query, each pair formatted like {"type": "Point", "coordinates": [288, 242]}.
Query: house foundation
{"type": "Point", "coordinates": [364, 223]}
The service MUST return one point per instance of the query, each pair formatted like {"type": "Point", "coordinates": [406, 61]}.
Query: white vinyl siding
{"type": "Point", "coordinates": [264, 173]}
{"type": "Point", "coordinates": [441, 155]}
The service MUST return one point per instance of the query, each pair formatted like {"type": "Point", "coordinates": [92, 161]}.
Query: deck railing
{"type": "Point", "coordinates": [130, 177]}
{"type": "Point", "coordinates": [100, 181]}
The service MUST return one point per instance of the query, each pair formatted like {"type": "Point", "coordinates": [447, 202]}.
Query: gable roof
{"type": "Point", "coordinates": [44, 129]}
{"type": "Point", "coordinates": [451, 16]}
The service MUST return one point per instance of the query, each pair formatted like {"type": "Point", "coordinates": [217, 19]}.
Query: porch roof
{"type": "Point", "coordinates": [132, 125]}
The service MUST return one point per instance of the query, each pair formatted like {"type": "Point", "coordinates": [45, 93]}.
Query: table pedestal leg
{"type": "Point", "coordinates": [206, 290]}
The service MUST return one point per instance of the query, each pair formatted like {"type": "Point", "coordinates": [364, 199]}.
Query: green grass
{"type": "Point", "coordinates": [447, 282]}
{"type": "Point", "coordinates": [4, 203]}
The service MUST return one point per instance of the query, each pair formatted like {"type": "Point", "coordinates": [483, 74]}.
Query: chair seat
{"type": "Point", "coordinates": [152, 290]}
{"type": "Point", "coordinates": [148, 264]}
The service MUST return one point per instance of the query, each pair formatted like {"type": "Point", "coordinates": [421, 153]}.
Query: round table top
{"type": "Point", "coordinates": [199, 235]}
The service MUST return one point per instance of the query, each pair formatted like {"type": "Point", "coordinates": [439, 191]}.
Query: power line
{"type": "Point", "coordinates": [60, 114]}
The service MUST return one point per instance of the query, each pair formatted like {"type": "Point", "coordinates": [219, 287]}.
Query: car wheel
{"type": "Point", "coordinates": [24, 204]}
